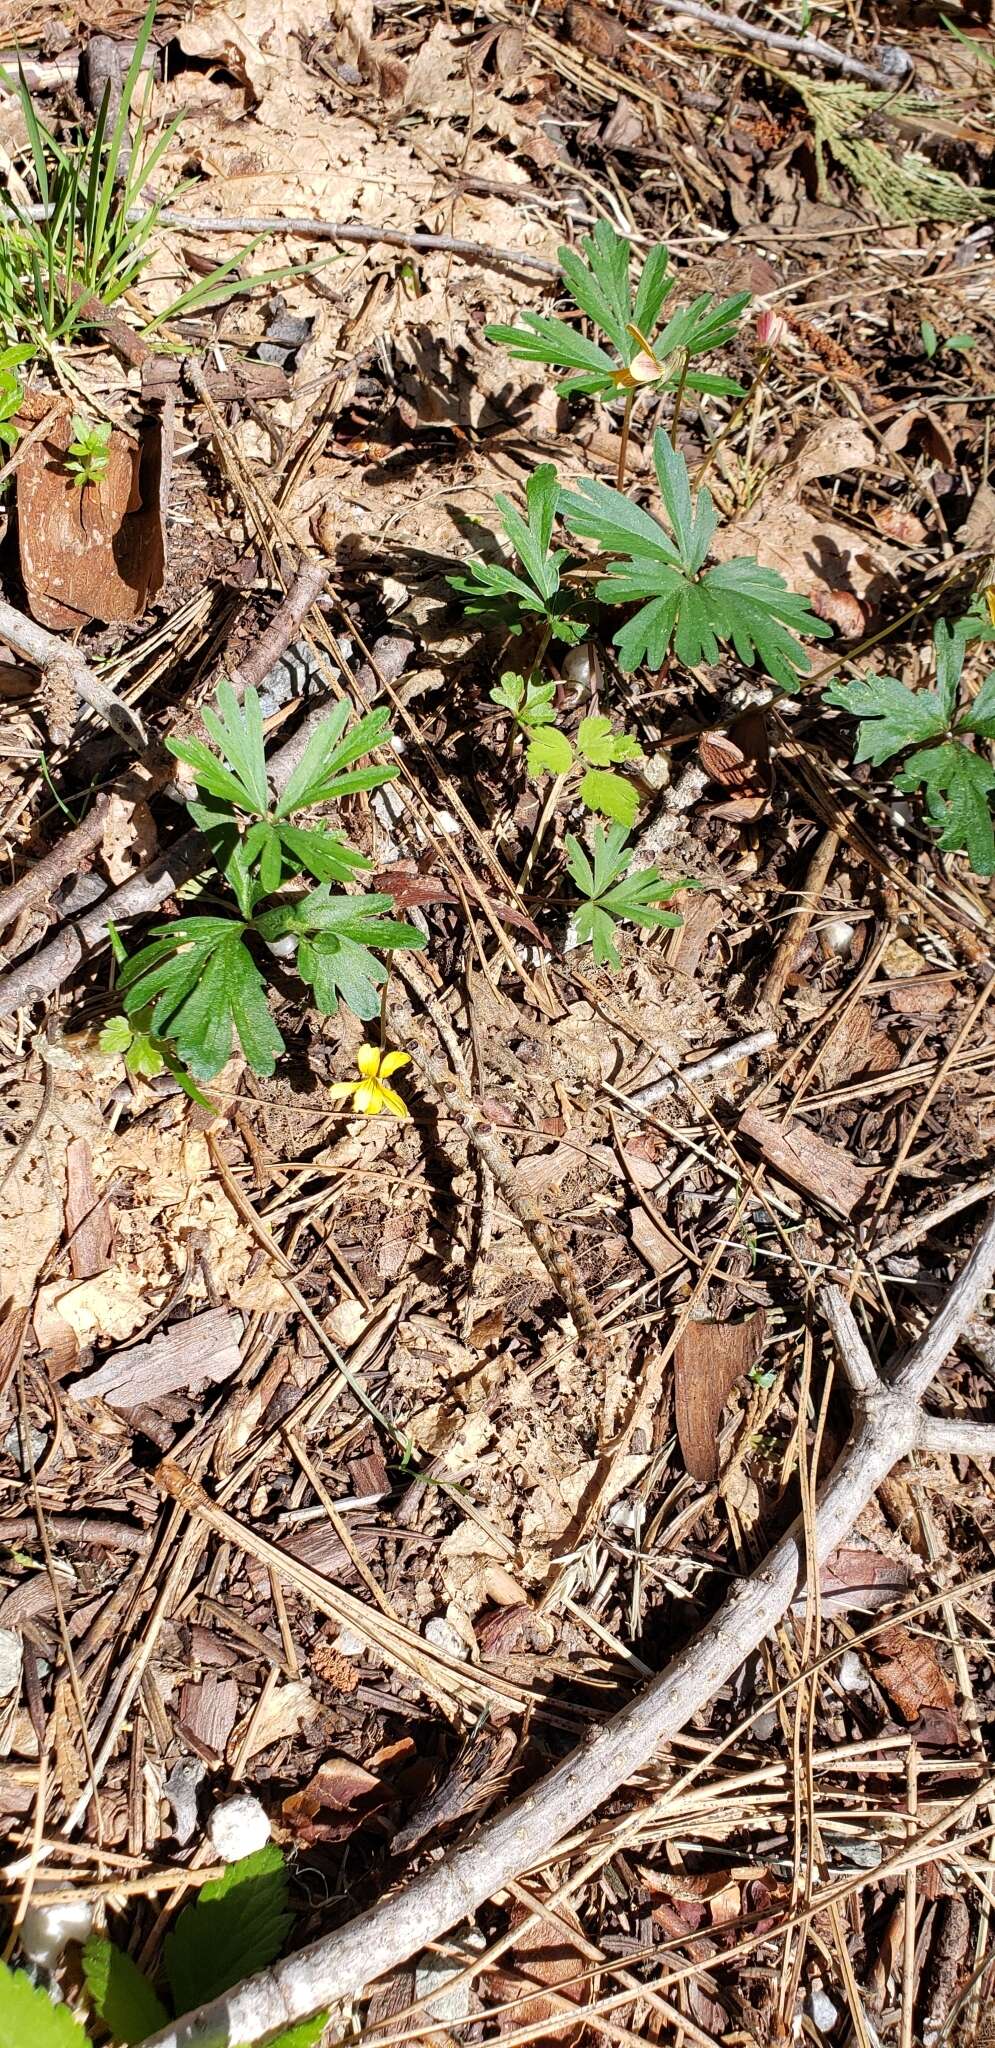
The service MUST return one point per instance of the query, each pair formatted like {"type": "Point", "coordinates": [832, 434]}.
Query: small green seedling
{"type": "Point", "coordinates": [198, 983]}
{"type": "Point", "coordinates": [683, 604]}
{"type": "Point", "coordinates": [89, 451]}
{"type": "Point", "coordinates": [610, 892]}
{"type": "Point", "coordinates": [499, 596]}
{"type": "Point", "coordinates": [637, 356]}
{"type": "Point", "coordinates": [550, 752]}
{"type": "Point", "coordinates": [932, 343]}
{"type": "Point", "coordinates": [237, 1924]}
{"type": "Point", "coordinates": [957, 779]}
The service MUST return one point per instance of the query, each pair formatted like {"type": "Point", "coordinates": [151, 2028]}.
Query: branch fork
{"type": "Point", "coordinates": [889, 1423]}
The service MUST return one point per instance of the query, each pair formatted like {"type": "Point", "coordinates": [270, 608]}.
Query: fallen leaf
{"type": "Point", "coordinates": [816, 554]}
{"type": "Point", "coordinates": [129, 839]}
{"type": "Point", "coordinates": [908, 1669]}
{"type": "Point", "coordinates": [545, 1954]}
{"type": "Point", "coordinates": [340, 1787]}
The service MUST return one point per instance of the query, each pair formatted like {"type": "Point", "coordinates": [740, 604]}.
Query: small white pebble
{"type": "Point", "coordinates": [578, 666]}
{"type": "Point", "coordinates": [283, 949]}
{"type": "Point", "coordinates": [441, 1632]}
{"type": "Point", "coordinates": [11, 1660]}
{"type": "Point", "coordinates": [14, 1448]}
{"type": "Point", "coordinates": [445, 822]}
{"type": "Point", "coordinates": [238, 1827]}
{"type": "Point", "coordinates": [45, 1930]}
{"type": "Point", "coordinates": [823, 2012]}
{"type": "Point", "coordinates": [349, 1644]}
{"type": "Point", "coordinates": [851, 1673]}
{"type": "Point", "coordinates": [900, 814]}
{"type": "Point", "coordinates": [838, 935]}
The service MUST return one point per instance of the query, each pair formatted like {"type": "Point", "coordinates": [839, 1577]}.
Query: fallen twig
{"type": "Point", "coordinates": [797, 46]}
{"type": "Point", "coordinates": [889, 1423]}
{"type": "Point", "coordinates": [57, 659]}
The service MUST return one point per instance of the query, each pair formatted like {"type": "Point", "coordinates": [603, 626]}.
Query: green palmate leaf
{"type": "Point", "coordinates": [950, 647]}
{"type": "Point", "coordinates": [600, 513]}
{"type": "Point", "coordinates": [528, 700]}
{"type": "Point", "coordinates": [237, 732]}
{"type": "Point", "coordinates": [490, 590]}
{"type": "Point", "coordinates": [891, 716]}
{"type": "Point", "coordinates": [322, 772]}
{"type": "Point", "coordinates": [335, 934]}
{"type": "Point", "coordinates": [613, 795]}
{"type": "Point", "coordinates": [599, 284]}
{"type": "Point", "coordinates": [115, 1036]}
{"type": "Point", "coordinates": [304, 2035]}
{"type": "Point", "coordinates": [28, 2019]}
{"type": "Point", "coordinates": [958, 786]}
{"type": "Point", "coordinates": [204, 987]}
{"type": "Point", "coordinates": [549, 753]}
{"type": "Point", "coordinates": [692, 525]}
{"type": "Point", "coordinates": [121, 1996]}
{"type": "Point", "coordinates": [611, 892]}
{"type": "Point", "coordinates": [600, 743]}
{"type": "Point", "coordinates": [237, 1925]}
{"type": "Point", "coordinates": [980, 716]}
{"type": "Point", "coordinates": [325, 855]}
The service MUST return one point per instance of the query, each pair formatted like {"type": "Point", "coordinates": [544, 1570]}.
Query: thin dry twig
{"type": "Point", "coordinates": [54, 657]}
{"type": "Point", "coordinates": [797, 46]}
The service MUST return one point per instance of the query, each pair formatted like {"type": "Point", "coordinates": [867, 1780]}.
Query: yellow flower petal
{"type": "Point", "coordinates": [368, 1061]}
{"type": "Point", "coordinates": [368, 1098]}
{"type": "Point", "coordinates": [338, 1090]}
{"type": "Point", "coordinates": [392, 1061]}
{"type": "Point", "coordinates": [392, 1101]}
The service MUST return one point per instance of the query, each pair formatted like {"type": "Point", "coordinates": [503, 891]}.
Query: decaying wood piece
{"type": "Point", "coordinates": [181, 1359]}
{"type": "Point", "coordinates": [800, 1156]}
{"type": "Point", "coordinates": [888, 1424]}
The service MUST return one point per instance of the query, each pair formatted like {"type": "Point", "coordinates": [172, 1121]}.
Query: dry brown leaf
{"type": "Point", "coordinates": [816, 554]}
{"type": "Point", "coordinates": [334, 1803]}
{"type": "Point", "coordinates": [286, 1711]}
{"type": "Point", "coordinates": [544, 1953]}
{"type": "Point", "coordinates": [251, 38]}
{"type": "Point", "coordinates": [908, 1669]}
{"type": "Point", "coordinates": [129, 839]}
{"type": "Point", "coordinates": [709, 1359]}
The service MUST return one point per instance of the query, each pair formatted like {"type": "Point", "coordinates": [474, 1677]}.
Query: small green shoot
{"type": "Point", "coordinates": [500, 596]}
{"type": "Point", "coordinates": [88, 453]}
{"type": "Point", "coordinates": [957, 780]}
{"type": "Point", "coordinates": [611, 892]}
{"type": "Point", "coordinates": [11, 395]}
{"type": "Point", "coordinates": [932, 343]}
{"type": "Point", "coordinates": [637, 356]}
{"type": "Point", "coordinates": [683, 604]}
{"type": "Point", "coordinates": [549, 751]}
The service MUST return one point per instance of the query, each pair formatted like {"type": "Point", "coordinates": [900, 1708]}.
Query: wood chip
{"type": "Point", "coordinates": [99, 552]}
{"type": "Point", "coordinates": [89, 1232]}
{"type": "Point", "coordinates": [208, 1713]}
{"type": "Point", "coordinates": [824, 1171]}
{"type": "Point", "coordinates": [709, 1359]}
{"type": "Point", "coordinates": [183, 1358]}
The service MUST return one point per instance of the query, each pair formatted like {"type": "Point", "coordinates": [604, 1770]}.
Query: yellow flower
{"type": "Point", "coordinates": [370, 1093]}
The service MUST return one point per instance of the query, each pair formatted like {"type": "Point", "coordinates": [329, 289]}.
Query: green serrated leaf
{"type": "Point", "coordinates": [891, 716]}
{"type": "Point", "coordinates": [509, 693]}
{"type": "Point", "coordinates": [611, 892]}
{"type": "Point", "coordinates": [237, 1925]}
{"type": "Point", "coordinates": [980, 715]}
{"type": "Point", "coordinates": [613, 795]}
{"type": "Point", "coordinates": [958, 787]}
{"type": "Point", "coordinates": [304, 2035]}
{"type": "Point", "coordinates": [949, 645]}
{"type": "Point", "coordinates": [549, 752]}
{"type": "Point", "coordinates": [121, 1996]}
{"type": "Point", "coordinates": [322, 773]}
{"type": "Point", "coordinates": [144, 1058]}
{"type": "Point", "coordinates": [28, 2019]}
{"type": "Point", "coordinates": [600, 743]}
{"type": "Point", "coordinates": [204, 985]}
{"type": "Point", "coordinates": [115, 1036]}
{"type": "Point", "coordinates": [325, 855]}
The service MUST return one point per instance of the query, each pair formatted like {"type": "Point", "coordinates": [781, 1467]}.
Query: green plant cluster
{"type": "Point", "coordinates": [957, 778]}
{"type": "Point", "coordinates": [237, 1924]}
{"type": "Point", "coordinates": [199, 981]}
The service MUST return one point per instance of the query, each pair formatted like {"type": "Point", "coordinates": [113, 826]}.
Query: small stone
{"type": "Point", "coordinates": [823, 2012]}
{"type": "Point", "coordinates": [14, 1448]}
{"type": "Point", "coordinates": [838, 935]}
{"type": "Point", "coordinates": [11, 1661]}
{"type": "Point", "coordinates": [238, 1827]}
{"type": "Point", "coordinates": [349, 1644]}
{"type": "Point", "coordinates": [45, 1930]}
{"type": "Point", "coordinates": [441, 1632]}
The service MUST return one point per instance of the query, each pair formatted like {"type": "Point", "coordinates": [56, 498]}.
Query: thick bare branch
{"type": "Point", "coordinates": [925, 1359]}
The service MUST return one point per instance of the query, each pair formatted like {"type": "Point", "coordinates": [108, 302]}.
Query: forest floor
{"type": "Point", "coordinates": [482, 1411]}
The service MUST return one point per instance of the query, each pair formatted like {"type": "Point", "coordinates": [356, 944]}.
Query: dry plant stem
{"type": "Point", "coordinates": [773, 39]}
{"type": "Point", "coordinates": [888, 1425]}
{"type": "Point", "coordinates": [141, 896]}
{"type": "Point", "coordinates": [787, 952]}
{"type": "Point", "coordinates": [45, 651]}
{"type": "Point", "coordinates": [65, 858]}
{"type": "Point", "coordinates": [701, 1070]}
